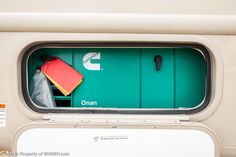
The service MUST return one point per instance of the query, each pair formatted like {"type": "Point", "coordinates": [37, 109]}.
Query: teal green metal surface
{"type": "Point", "coordinates": [128, 78]}
{"type": "Point", "coordinates": [114, 85]}
{"type": "Point", "coordinates": [157, 89]}
{"type": "Point", "coordinates": [190, 78]}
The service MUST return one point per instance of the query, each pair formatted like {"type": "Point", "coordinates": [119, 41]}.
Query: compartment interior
{"type": "Point", "coordinates": [130, 78]}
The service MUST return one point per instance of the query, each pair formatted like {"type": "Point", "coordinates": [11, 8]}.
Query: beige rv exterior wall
{"type": "Point", "coordinates": [217, 31]}
{"type": "Point", "coordinates": [216, 7]}
{"type": "Point", "coordinates": [219, 116]}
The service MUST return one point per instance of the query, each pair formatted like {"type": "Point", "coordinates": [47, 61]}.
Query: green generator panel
{"type": "Point", "coordinates": [157, 86]}
{"type": "Point", "coordinates": [130, 77]}
{"type": "Point", "coordinates": [111, 78]}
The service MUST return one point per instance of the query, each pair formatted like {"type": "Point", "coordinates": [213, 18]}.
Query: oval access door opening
{"type": "Point", "coordinates": [107, 142]}
{"type": "Point", "coordinates": [137, 78]}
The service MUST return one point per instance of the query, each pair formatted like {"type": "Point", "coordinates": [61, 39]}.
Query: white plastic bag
{"type": "Point", "coordinates": [40, 91]}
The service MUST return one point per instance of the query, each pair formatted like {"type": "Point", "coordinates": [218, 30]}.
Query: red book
{"type": "Point", "coordinates": [62, 75]}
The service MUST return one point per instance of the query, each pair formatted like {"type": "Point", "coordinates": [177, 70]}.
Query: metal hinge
{"type": "Point", "coordinates": [152, 120]}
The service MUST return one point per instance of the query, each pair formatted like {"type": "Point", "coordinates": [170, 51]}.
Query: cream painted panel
{"type": "Point", "coordinates": [123, 6]}
{"type": "Point", "coordinates": [118, 142]}
{"type": "Point", "coordinates": [223, 121]}
{"type": "Point", "coordinates": [18, 114]}
{"type": "Point", "coordinates": [117, 23]}
{"type": "Point", "coordinates": [22, 40]}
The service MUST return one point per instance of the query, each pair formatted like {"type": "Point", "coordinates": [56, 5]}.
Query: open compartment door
{"type": "Point", "coordinates": [151, 141]}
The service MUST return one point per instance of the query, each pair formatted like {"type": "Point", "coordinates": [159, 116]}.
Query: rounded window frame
{"type": "Point", "coordinates": [38, 45]}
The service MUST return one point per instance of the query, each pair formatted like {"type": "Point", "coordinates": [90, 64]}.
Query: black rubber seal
{"type": "Point", "coordinates": [38, 45]}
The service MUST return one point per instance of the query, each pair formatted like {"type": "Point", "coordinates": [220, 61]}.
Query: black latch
{"type": "Point", "coordinates": [158, 61]}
